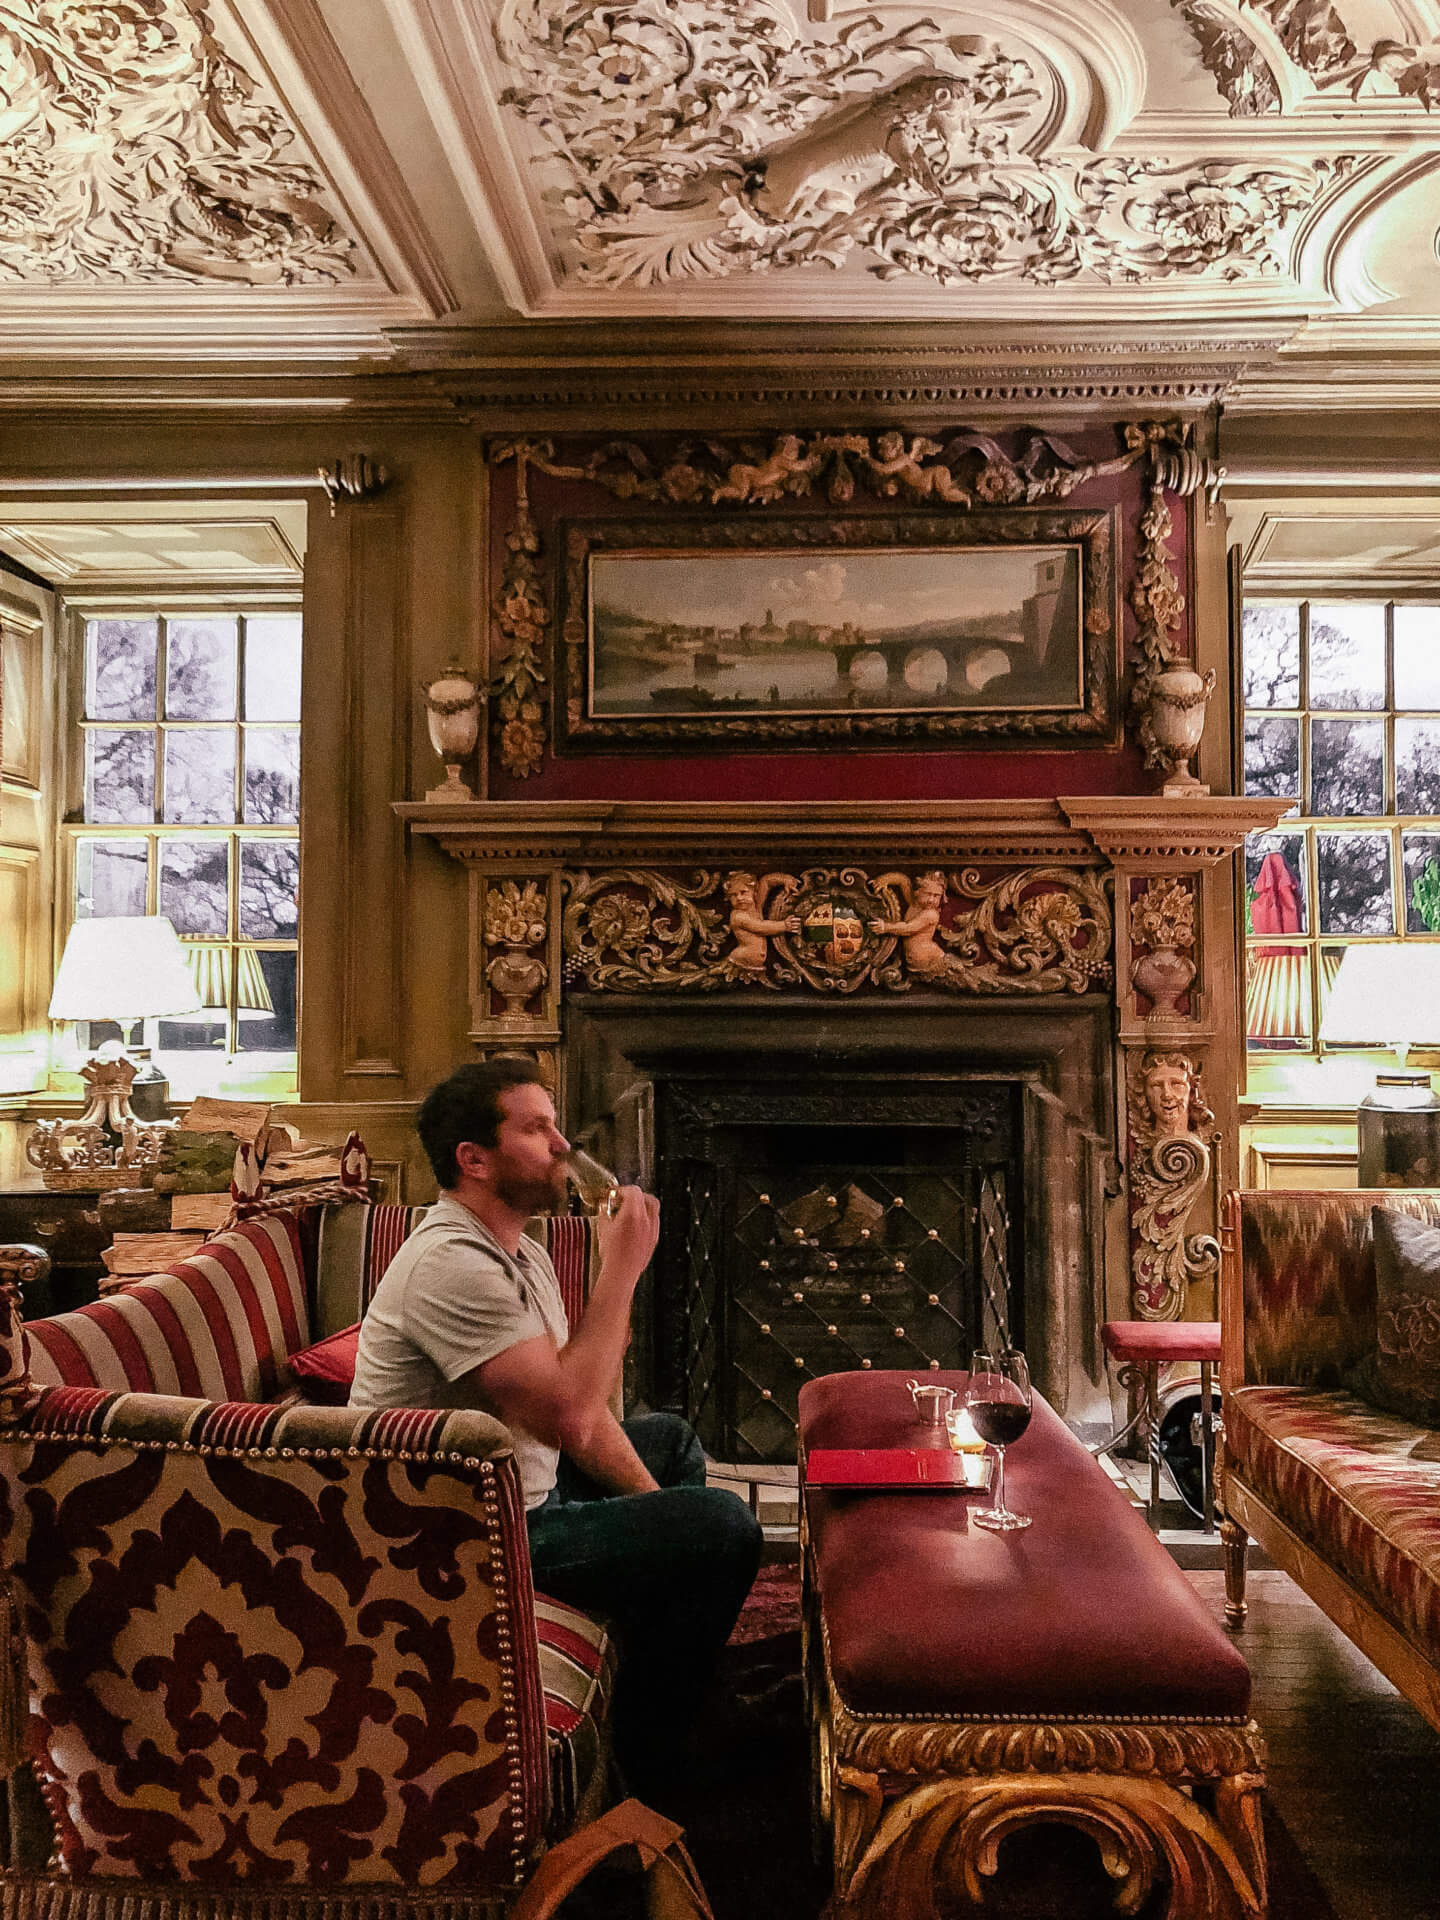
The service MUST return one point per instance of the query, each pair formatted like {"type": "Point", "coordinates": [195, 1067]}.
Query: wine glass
{"type": "Point", "coordinates": [597, 1187]}
{"type": "Point", "coordinates": [998, 1399]}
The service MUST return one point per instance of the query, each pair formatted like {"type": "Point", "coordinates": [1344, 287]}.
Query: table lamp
{"type": "Point", "coordinates": [1389, 995]}
{"type": "Point", "coordinates": [210, 967]}
{"type": "Point", "coordinates": [123, 969]}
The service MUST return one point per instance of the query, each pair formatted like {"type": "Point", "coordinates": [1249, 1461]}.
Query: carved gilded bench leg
{"type": "Point", "coordinates": [1233, 1542]}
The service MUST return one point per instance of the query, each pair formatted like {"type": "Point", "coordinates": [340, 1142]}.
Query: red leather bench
{"type": "Point", "coordinates": [963, 1684]}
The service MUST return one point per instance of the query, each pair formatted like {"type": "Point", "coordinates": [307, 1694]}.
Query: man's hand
{"type": "Point", "coordinates": [629, 1239]}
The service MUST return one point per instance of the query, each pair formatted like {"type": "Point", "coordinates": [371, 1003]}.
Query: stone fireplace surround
{"type": "Point", "coordinates": [1089, 957]}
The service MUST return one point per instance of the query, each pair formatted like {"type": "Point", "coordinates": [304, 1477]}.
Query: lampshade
{"type": "Point", "coordinates": [1385, 996]}
{"type": "Point", "coordinates": [122, 969]}
{"type": "Point", "coordinates": [210, 969]}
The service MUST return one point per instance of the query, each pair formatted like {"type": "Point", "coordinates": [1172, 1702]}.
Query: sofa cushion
{"type": "Point", "coordinates": [1359, 1486]}
{"type": "Point", "coordinates": [324, 1372]}
{"type": "Point", "coordinates": [218, 1326]}
{"type": "Point", "coordinates": [577, 1673]}
{"type": "Point", "coordinates": [356, 1244]}
{"type": "Point", "coordinates": [1402, 1374]}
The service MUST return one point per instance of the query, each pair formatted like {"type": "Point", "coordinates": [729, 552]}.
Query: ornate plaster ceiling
{"type": "Point", "coordinates": [319, 179]}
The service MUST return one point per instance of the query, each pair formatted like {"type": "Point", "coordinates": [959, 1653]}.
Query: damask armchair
{"type": "Point", "coordinates": [263, 1657]}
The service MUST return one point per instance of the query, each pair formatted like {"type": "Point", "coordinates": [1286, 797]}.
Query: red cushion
{"type": "Point", "coordinates": [1162, 1340]}
{"type": "Point", "coordinates": [1082, 1614]}
{"type": "Point", "coordinates": [324, 1372]}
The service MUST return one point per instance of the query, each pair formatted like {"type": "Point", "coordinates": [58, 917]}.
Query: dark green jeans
{"type": "Point", "coordinates": [668, 1570]}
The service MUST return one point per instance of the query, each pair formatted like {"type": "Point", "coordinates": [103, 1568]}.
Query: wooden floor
{"type": "Point", "coordinates": [1354, 1769]}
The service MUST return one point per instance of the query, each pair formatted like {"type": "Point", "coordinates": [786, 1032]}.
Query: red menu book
{"type": "Point", "coordinates": [925, 1469]}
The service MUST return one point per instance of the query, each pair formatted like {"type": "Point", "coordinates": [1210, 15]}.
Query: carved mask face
{"type": "Point", "coordinates": [1167, 1093]}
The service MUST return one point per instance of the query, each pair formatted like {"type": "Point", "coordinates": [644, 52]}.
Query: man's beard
{"type": "Point", "coordinates": [526, 1193]}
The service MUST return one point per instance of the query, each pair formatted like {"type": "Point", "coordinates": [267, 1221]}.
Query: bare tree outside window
{"type": "Point", "coordinates": [192, 733]}
{"type": "Point", "coordinates": [1342, 709]}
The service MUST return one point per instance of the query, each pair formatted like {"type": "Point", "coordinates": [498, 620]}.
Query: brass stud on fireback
{"type": "Point", "coordinates": [934, 1234]}
{"type": "Point", "coordinates": [799, 1359]}
{"type": "Point", "coordinates": [797, 1233]}
{"type": "Point", "coordinates": [899, 1333]}
{"type": "Point", "coordinates": [764, 1266]}
{"type": "Point", "coordinates": [933, 1298]}
{"type": "Point", "coordinates": [833, 1265]}
{"type": "Point", "coordinates": [764, 1326]}
{"type": "Point", "coordinates": [865, 1363]}
{"type": "Point", "coordinates": [832, 1329]}
{"type": "Point", "coordinates": [831, 1201]}
{"type": "Point", "coordinates": [764, 1199]}
{"type": "Point", "coordinates": [899, 1266]}
{"type": "Point", "coordinates": [765, 1394]}
{"type": "Point", "coordinates": [864, 1299]}
{"type": "Point", "coordinates": [798, 1298]}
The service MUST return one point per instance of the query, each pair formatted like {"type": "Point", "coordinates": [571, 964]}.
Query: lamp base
{"type": "Point", "coordinates": [1398, 1132]}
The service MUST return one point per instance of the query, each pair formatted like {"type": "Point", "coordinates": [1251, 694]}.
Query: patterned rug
{"type": "Point", "coordinates": [750, 1834]}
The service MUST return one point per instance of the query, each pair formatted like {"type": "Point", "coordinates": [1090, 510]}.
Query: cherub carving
{"type": "Point", "coordinates": [751, 929]}
{"type": "Point", "coordinates": [899, 467]}
{"type": "Point", "coordinates": [917, 930]}
{"type": "Point", "coordinates": [771, 477]}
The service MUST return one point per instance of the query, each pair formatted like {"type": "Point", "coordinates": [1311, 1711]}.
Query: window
{"type": "Point", "coordinates": [1342, 709]}
{"type": "Point", "coordinates": [192, 807]}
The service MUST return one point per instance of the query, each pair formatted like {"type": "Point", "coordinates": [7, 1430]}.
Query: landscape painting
{"type": "Point", "coordinates": [805, 633]}
{"type": "Point", "coordinates": [876, 629]}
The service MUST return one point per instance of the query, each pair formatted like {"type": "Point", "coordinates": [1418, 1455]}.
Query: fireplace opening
{"type": "Point", "coordinates": [826, 1227]}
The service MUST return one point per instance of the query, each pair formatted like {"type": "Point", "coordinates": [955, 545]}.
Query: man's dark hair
{"type": "Point", "coordinates": [467, 1107]}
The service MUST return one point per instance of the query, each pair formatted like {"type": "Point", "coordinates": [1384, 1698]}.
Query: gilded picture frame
{"type": "Point", "coordinates": [998, 627]}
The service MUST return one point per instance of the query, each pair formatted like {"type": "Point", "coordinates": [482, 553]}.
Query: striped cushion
{"type": "Point", "coordinates": [577, 1670]}
{"type": "Point", "coordinates": [570, 1241]}
{"type": "Point", "coordinates": [356, 1245]}
{"type": "Point", "coordinates": [217, 1326]}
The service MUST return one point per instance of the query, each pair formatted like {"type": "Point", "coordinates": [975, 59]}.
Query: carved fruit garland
{"type": "Point", "coordinates": [517, 690]}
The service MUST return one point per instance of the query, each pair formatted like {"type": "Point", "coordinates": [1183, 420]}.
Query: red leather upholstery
{"type": "Point", "coordinates": [1084, 1613]}
{"type": "Point", "coordinates": [1162, 1340]}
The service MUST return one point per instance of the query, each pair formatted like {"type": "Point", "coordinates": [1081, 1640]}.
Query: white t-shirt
{"type": "Point", "coordinates": [451, 1299]}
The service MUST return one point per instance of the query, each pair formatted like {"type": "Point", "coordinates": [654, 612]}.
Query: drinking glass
{"type": "Point", "coordinates": [597, 1187]}
{"type": "Point", "coordinates": [998, 1400]}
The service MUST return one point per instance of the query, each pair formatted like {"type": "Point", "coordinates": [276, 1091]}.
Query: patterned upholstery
{"type": "Point", "coordinates": [1361, 1487]}
{"type": "Point", "coordinates": [218, 1325]}
{"type": "Point", "coordinates": [1308, 1274]}
{"type": "Point", "coordinates": [280, 1646]}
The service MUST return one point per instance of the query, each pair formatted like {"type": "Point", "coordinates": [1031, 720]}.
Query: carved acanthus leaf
{"type": "Point", "coordinates": [201, 179]}
{"type": "Point", "coordinates": [700, 139]}
{"type": "Point", "coordinates": [521, 614]}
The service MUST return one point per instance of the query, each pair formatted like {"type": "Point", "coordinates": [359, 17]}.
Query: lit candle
{"type": "Point", "coordinates": [961, 1428]}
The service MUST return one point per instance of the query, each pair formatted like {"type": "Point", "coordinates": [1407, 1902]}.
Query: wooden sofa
{"type": "Point", "coordinates": [255, 1643]}
{"type": "Point", "coordinates": [1345, 1498]}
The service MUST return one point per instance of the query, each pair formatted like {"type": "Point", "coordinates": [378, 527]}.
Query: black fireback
{"type": "Point", "coordinates": [828, 1226]}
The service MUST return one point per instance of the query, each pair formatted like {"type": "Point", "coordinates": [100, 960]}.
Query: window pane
{"type": "Point", "coordinates": [1421, 854]}
{"type": "Point", "coordinates": [1347, 766]}
{"type": "Point", "coordinates": [119, 775]}
{"type": "Point", "coordinates": [1270, 642]}
{"type": "Point", "coordinates": [195, 885]}
{"type": "Point", "coordinates": [1275, 883]}
{"type": "Point", "coordinates": [272, 667]}
{"type": "Point", "coordinates": [110, 878]}
{"type": "Point", "coordinates": [193, 1033]}
{"type": "Point", "coordinates": [1353, 878]}
{"type": "Point", "coordinates": [1417, 657]}
{"type": "Point", "coordinates": [1417, 766]}
{"type": "Point", "coordinates": [272, 1032]}
{"type": "Point", "coordinates": [269, 884]}
{"type": "Point", "coordinates": [200, 669]}
{"type": "Point", "coordinates": [120, 669]}
{"type": "Point", "coordinates": [1347, 656]}
{"type": "Point", "coordinates": [272, 775]}
{"type": "Point", "coordinates": [200, 777]}
{"type": "Point", "coordinates": [1330, 959]}
{"type": "Point", "coordinates": [1272, 757]}
{"type": "Point", "coordinates": [1277, 997]}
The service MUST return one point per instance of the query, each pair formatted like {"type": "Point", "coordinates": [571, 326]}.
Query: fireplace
{"type": "Point", "coordinates": [844, 1190]}
{"type": "Point", "coordinates": [834, 1223]}
{"type": "Point", "coordinates": [735, 999]}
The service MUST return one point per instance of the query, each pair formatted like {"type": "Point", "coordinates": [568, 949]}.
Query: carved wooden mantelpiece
{"type": "Point", "coordinates": [1129, 896]}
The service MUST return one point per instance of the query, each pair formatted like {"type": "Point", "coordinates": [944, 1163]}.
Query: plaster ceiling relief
{"type": "Point", "coordinates": [139, 148]}
{"type": "Point", "coordinates": [686, 145]}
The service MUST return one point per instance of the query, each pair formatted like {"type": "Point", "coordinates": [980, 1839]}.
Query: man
{"type": "Point", "coordinates": [469, 1313]}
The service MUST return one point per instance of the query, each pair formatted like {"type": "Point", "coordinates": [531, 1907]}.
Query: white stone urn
{"type": "Point", "coordinates": [452, 716]}
{"type": "Point", "coordinates": [1175, 722]}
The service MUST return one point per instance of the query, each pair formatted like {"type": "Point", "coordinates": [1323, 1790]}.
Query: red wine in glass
{"type": "Point", "coordinates": [998, 1399]}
